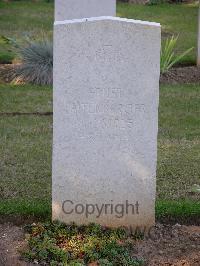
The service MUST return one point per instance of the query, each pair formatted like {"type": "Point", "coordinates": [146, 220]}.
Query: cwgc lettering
{"type": "Point", "coordinates": [106, 90]}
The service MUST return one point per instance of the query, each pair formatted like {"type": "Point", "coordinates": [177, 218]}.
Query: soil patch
{"type": "Point", "coordinates": [166, 245]}
{"type": "Point", "coordinates": [177, 75]}
{"type": "Point", "coordinates": [181, 75]}
{"type": "Point", "coordinates": [7, 72]}
{"type": "Point", "coordinates": [11, 240]}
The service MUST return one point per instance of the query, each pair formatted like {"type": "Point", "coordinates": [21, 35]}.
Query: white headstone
{"type": "Point", "coordinates": [106, 90]}
{"type": "Point", "coordinates": [76, 9]}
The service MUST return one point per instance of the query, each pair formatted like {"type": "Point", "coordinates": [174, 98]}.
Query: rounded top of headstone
{"type": "Point", "coordinates": [108, 18]}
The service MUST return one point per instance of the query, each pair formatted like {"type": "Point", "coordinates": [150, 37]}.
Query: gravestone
{"type": "Point", "coordinates": [106, 90]}
{"type": "Point", "coordinates": [76, 9]}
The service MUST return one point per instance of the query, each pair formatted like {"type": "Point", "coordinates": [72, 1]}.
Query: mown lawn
{"type": "Point", "coordinates": [26, 143]}
{"type": "Point", "coordinates": [175, 19]}
{"type": "Point", "coordinates": [179, 141]}
{"type": "Point", "coordinates": [21, 18]}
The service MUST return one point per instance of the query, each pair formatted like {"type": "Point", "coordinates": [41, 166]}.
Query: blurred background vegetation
{"type": "Point", "coordinates": [34, 17]}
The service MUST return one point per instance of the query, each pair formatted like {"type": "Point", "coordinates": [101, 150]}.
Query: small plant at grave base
{"type": "Point", "coordinates": [168, 56]}
{"type": "Point", "coordinates": [60, 244]}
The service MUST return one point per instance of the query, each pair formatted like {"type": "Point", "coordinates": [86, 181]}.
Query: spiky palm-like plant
{"type": "Point", "coordinates": [168, 56]}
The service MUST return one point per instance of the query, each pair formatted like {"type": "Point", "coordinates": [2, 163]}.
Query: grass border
{"type": "Point", "coordinates": [40, 209]}
{"type": "Point", "coordinates": [183, 211]}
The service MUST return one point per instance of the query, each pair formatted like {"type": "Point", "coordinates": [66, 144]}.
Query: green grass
{"type": "Point", "coordinates": [25, 164]}
{"type": "Point", "coordinates": [6, 57]}
{"type": "Point", "coordinates": [26, 208]}
{"type": "Point", "coordinates": [179, 112]}
{"type": "Point", "coordinates": [20, 18]}
{"type": "Point", "coordinates": [27, 98]}
{"type": "Point", "coordinates": [181, 210]}
{"type": "Point", "coordinates": [177, 19]}
{"type": "Point", "coordinates": [25, 17]}
{"type": "Point", "coordinates": [26, 143]}
{"type": "Point", "coordinates": [179, 142]}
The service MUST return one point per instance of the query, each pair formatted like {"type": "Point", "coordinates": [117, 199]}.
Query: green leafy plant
{"type": "Point", "coordinates": [60, 244]}
{"type": "Point", "coordinates": [6, 58]}
{"type": "Point", "coordinates": [168, 56]}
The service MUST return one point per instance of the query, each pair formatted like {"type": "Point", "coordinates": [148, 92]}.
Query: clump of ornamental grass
{"type": "Point", "coordinates": [36, 63]}
{"type": "Point", "coordinates": [60, 244]}
{"type": "Point", "coordinates": [35, 60]}
{"type": "Point", "coordinates": [168, 56]}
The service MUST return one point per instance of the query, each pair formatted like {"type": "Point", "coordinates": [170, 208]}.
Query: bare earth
{"type": "Point", "coordinates": [11, 240]}
{"type": "Point", "coordinates": [168, 246]}
{"type": "Point", "coordinates": [182, 75]}
{"type": "Point", "coordinates": [176, 75]}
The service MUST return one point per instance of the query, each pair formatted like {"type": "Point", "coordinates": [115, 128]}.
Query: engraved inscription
{"type": "Point", "coordinates": [113, 93]}
{"type": "Point", "coordinates": [104, 108]}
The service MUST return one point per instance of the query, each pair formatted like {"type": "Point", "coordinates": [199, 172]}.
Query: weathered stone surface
{"type": "Point", "coordinates": [77, 9]}
{"type": "Point", "coordinates": [106, 90]}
